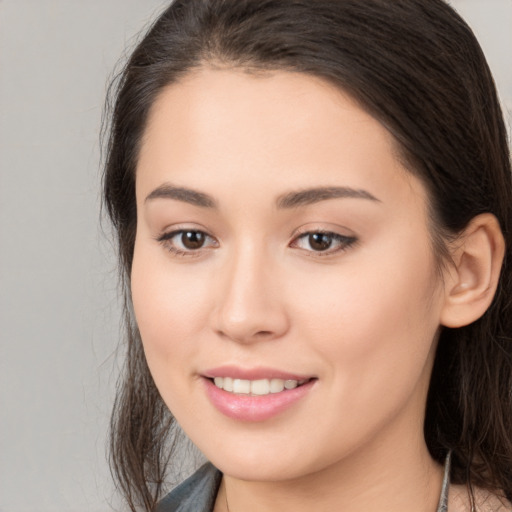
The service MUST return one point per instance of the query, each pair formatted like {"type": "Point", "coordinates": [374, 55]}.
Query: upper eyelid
{"type": "Point", "coordinates": [173, 230]}
{"type": "Point", "coordinates": [335, 231]}
{"type": "Point", "coordinates": [337, 236]}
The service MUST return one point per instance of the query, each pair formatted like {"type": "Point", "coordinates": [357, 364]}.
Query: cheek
{"type": "Point", "coordinates": [169, 307]}
{"type": "Point", "coordinates": [375, 324]}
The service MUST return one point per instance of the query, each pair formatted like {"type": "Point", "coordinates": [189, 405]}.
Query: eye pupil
{"type": "Point", "coordinates": [192, 239]}
{"type": "Point", "coordinates": [320, 241]}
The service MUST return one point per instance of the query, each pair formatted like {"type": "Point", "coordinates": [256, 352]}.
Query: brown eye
{"type": "Point", "coordinates": [323, 243]}
{"type": "Point", "coordinates": [187, 242]}
{"type": "Point", "coordinates": [193, 239]}
{"type": "Point", "coordinates": [319, 241]}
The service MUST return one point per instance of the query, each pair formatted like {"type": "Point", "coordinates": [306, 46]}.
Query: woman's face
{"type": "Point", "coordinates": [281, 244]}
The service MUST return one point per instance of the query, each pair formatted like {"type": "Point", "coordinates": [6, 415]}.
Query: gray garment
{"type": "Point", "coordinates": [443, 499]}
{"type": "Point", "coordinates": [198, 493]}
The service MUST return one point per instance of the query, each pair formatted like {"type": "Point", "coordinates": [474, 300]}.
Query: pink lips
{"type": "Point", "coordinates": [252, 408]}
{"type": "Point", "coordinates": [252, 374]}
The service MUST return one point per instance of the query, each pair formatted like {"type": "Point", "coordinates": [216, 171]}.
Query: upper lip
{"type": "Point", "coordinates": [257, 373]}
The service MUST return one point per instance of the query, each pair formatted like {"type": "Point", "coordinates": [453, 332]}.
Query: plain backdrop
{"type": "Point", "coordinates": [59, 311]}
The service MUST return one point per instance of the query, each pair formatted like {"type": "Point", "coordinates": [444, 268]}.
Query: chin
{"type": "Point", "coordinates": [259, 471]}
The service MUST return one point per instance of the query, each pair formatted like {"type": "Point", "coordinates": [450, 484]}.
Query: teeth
{"type": "Point", "coordinates": [255, 387]}
{"type": "Point", "coordinates": [260, 387]}
{"type": "Point", "coordinates": [276, 385]}
{"type": "Point", "coordinates": [241, 386]}
{"type": "Point", "coordinates": [228, 384]}
{"type": "Point", "coordinates": [290, 384]}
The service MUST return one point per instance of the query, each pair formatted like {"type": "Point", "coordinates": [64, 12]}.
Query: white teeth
{"type": "Point", "coordinates": [260, 387]}
{"type": "Point", "coordinates": [255, 387]}
{"type": "Point", "coordinates": [228, 384]}
{"type": "Point", "coordinates": [276, 385]}
{"type": "Point", "coordinates": [241, 386]}
{"type": "Point", "coordinates": [290, 384]}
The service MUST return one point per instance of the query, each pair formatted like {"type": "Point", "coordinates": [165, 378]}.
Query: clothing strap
{"type": "Point", "coordinates": [443, 499]}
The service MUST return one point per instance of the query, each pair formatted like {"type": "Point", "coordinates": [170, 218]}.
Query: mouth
{"type": "Point", "coordinates": [259, 387]}
{"type": "Point", "coordinates": [256, 398]}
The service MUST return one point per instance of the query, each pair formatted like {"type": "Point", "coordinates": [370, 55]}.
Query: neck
{"type": "Point", "coordinates": [373, 481]}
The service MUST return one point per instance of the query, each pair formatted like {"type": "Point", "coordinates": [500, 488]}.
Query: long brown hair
{"type": "Point", "coordinates": [417, 68]}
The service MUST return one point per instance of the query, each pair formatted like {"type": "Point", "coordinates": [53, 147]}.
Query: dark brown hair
{"type": "Point", "coordinates": [417, 68]}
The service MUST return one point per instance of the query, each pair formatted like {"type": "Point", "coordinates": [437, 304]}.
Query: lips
{"type": "Point", "coordinates": [260, 372]}
{"type": "Point", "coordinates": [255, 394]}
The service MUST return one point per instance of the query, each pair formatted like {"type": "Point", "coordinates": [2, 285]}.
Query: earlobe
{"type": "Point", "coordinates": [472, 281]}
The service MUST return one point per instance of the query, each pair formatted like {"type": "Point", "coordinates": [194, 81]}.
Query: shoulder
{"type": "Point", "coordinates": [196, 494]}
{"type": "Point", "coordinates": [485, 501]}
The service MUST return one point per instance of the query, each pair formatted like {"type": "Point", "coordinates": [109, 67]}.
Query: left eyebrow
{"type": "Point", "coordinates": [315, 195]}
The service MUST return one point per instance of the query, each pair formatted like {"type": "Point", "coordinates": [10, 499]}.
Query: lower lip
{"type": "Point", "coordinates": [255, 408]}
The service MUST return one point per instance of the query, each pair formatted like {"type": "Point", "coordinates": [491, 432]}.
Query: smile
{"type": "Point", "coordinates": [258, 387]}
{"type": "Point", "coordinates": [256, 399]}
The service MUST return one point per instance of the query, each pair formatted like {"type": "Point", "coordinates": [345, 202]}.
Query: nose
{"type": "Point", "coordinates": [249, 302]}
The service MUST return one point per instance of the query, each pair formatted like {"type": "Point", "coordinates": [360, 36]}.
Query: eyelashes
{"type": "Point", "coordinates": [187, 242]}
{"type": "Point", "coordinates": [323, 243]}
{"type": "Point", "coordinates": [193, 243]}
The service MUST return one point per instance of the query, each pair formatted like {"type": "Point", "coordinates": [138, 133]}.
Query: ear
{"type": "Point", "coordinates": [470, 284]}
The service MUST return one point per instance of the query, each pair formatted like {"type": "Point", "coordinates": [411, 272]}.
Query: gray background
{"type": "Point", "coordinates": [58, 302]}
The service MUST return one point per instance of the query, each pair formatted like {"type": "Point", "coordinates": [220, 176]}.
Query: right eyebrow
{"type": "Point", "coordinates": [187, 195]}
{"type": "Point", "coordinates": [315, 195]}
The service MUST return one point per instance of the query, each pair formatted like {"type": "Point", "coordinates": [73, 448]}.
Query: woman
{"type": "Point", "coordinates": [313, 204]}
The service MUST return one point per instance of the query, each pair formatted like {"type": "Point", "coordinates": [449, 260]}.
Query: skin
{"type": "Point", "coordinates": [363, 320]}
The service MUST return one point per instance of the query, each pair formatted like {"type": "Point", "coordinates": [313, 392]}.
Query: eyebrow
{"type": "Point", "coordinates": [187, 195]}
{"type": "Point", "coordinates": [315, 195]}
{"type": "Point", "coordinates": [289, 200]}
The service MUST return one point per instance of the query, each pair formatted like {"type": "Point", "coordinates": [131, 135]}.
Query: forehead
{"type": "Point", "coordinates": [259, 130]}
{"type": "Point", "coordinates": [240, 102]}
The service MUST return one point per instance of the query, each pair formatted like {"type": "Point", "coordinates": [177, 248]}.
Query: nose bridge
{"type": "Point", "coordinates": [250, 306]}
